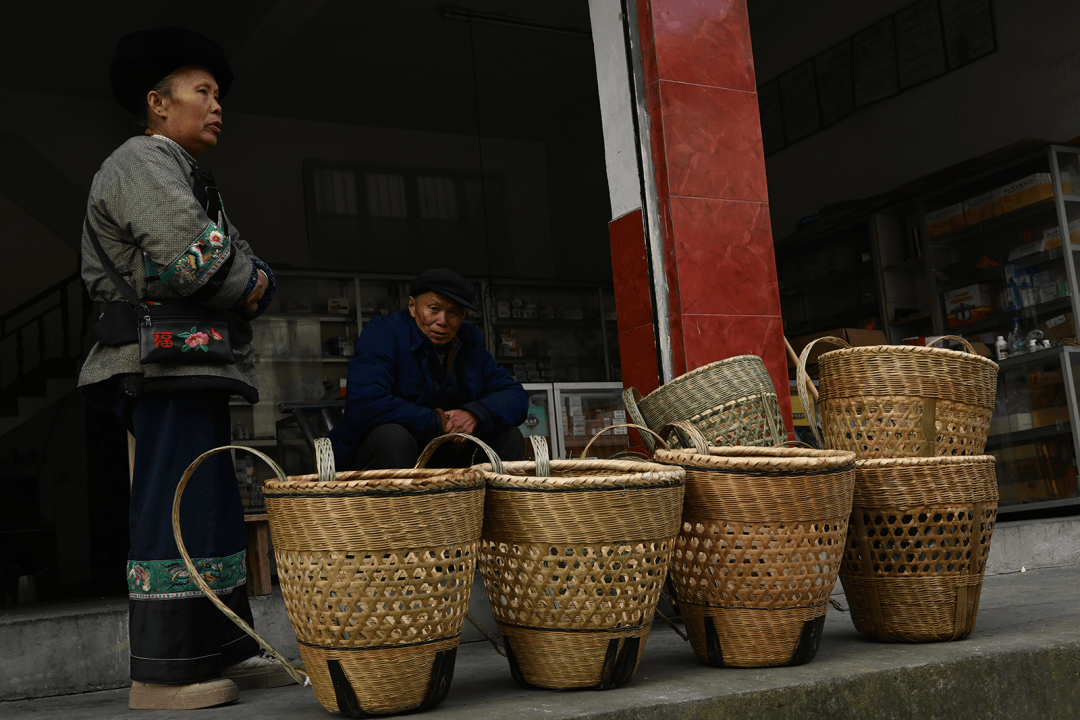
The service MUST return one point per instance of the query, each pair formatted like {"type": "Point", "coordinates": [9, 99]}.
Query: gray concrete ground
{"type": "Point", "coordinates": [1022, 661]}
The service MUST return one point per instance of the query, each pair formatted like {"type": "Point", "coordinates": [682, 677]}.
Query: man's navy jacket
{"type": "Point", "coordinates": [396, 377]}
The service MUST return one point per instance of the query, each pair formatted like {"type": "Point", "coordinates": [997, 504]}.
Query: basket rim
{"type": "Point", "coordinates": [416, 479]}
{"type": "Point", "coordinates": [876, 463]}
{"type": "Point", "coordinates": [619, 473]}
{"type": "Point", "coordinates": [703, 369]}
{"type": "Point", "coordinates": [752, 456]}
{"type": "Point", "coordinates": [913, 349]}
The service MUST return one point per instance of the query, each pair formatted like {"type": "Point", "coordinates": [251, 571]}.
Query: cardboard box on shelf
{"type": "Point", "coordinates": [338, 305]}
{"type": "Point", "coordinates": [1041, 417]}
{"type": "Point", "coordinates": [967, 304]}
{"type": "Point", "coordinates": [1026, 191]}
{"type": "Point", "coordinates": [946, 220]}
{"type": "Point", "coordinates": [982, 207]}
{"type": "Point", "coordinates": [1058, 327]}
{"type": "Point", "coordinates": [854, 336]}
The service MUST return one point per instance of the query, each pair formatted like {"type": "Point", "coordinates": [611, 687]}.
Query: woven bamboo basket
{"type": "Point", "coordinates": [574, 555]}
{"type": "Point", "coordinates": [376, 569]}
{"type": "Point", "coordinates": [760, 548]}
{"type": "Point", "coordinates": [732, 402]}
{"type": "Point", "coordinates": [917, 546]}
{"type": "Point", "coordinates": [886, 401]}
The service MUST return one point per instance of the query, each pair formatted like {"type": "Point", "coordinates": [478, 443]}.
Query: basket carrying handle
{"type": "Point", "coordinates": [631, 397]}
{"type": "Point", "coordinates": [541, 454]}
{"type": "Point", "coordinates": [802, 378]}
{"type": "Point", "coordinates": [496, 463]}
{"type": "Point", "coordinates": [639, 428]}
{"type": "Point", "coordinates": [958, 339]}
{"type": "Point", "coordinates": [324, 460]}
{"type": "Point", "coordinates": [296, 674]}
{"type": "Point", "coordinates": [688, 434]}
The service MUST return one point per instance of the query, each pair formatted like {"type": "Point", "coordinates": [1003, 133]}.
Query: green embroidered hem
{"type": "Point", "coordinates": [170, 579]}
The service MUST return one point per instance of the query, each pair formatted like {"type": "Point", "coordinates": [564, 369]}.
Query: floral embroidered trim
{"type": "Point", "coordinates": [170, 579]}
{"type": "Point", "coordinates": [193, 268]}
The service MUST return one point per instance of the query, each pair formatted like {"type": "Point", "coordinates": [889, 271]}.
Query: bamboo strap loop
{"type": "Point", "coordinates": [802, 377]}
{"type": "Point", "coordinates": [689, 434]}
{"type": "Point", "coordinates": [631, 398]}
{"type": "Point", "coordinates": [541, 454]}
{"type": "Point", "coordinates": [295, 673]}
{"type": "Point", "coordinates": [493, 458]}
{"type": "Point", "coordinates": [639, 428]}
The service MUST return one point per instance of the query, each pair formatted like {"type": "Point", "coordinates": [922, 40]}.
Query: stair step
{"type": "Point", "coordinates": [27, 407]}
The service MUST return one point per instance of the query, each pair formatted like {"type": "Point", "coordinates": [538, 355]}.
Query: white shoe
{"type": "Point", "coordinates": [258, 672]}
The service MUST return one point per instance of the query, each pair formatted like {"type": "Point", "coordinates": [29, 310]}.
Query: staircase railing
{"type": "Point", "coordinates": [32, 315]}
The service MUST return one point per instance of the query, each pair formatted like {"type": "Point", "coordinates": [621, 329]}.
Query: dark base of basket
{"type": "Point", "coordinates": [337, 693]}
{"type": "Point", "coordinates": [599, 664]}
{"type": "Point", "coordinates": [704, 638]}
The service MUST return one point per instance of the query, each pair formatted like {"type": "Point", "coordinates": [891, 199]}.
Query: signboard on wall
{"type": "Point", "coordinates": [916, 44]}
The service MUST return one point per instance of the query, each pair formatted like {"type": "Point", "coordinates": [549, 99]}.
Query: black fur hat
{"type": "Point", "coordinates": [144, 58]}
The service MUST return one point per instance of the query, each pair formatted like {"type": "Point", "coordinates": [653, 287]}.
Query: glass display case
{"type": "Point", "coordinates": [584, 410]}
{"type": "Point", "coordinates": [541, 418]}
{"type": "Point", "coordinates": [1002, 271]}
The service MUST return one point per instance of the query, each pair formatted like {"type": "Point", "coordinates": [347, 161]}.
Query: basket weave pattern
{"type": "Point", "coordinates": [573, 565]}
{"type": "Point", "coordinates": [916, 553]}
{"type": "Point", "coordinates": [732, 402]}
{"type": "Point", "coordinates": [376, 570]}
{"type": "Point", "coordinates": [760, 550]}
{"type": "Point", "coordinates": [886, 401]}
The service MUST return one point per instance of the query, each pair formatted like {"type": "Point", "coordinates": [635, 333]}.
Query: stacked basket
{"type": "Point", "coordinates": [731, 402]}
{"type": "Point", "coordinates": [925, 495]}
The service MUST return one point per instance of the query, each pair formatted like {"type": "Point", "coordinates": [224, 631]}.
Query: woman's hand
{"type": "Point", "coordinates": [250, 304]}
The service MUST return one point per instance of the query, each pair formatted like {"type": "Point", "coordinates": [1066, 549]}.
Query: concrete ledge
{"type": "Point", "coordinates": [1022, 661]}
{"type": "Point", "coordinates": [1033, 544]}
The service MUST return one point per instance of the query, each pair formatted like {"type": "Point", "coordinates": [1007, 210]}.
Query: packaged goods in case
{"type": "Point", "coordinates": [967, 304]}
{"type": "Point", "coordinates": [982, 207]}
{"type": "Point", "coordinates": [946, 220]}
{"type": "Point", "coordinates": [1026, 191]}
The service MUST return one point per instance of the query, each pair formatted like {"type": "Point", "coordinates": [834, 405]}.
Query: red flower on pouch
{"type": "Point", "coordinates": [194, 340]}
{"type": "Point", "coordinates": [215, 334]}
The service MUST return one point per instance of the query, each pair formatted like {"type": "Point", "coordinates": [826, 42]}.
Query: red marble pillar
{"type": "Point", "coordinates": [705, 137]}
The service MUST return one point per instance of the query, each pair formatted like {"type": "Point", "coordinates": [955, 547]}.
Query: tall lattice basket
{"type": "Point", "coordinates": [886, 401]}
{"type": "Point", "coordinates": [732, 402]}
{"type": "Point", "coordinates": [574, 555]}
{"type": "Point", "coordinates": [760, 548]}
{"type": "Point", "coordinates": [917, 546]}
{"type": "Point", "coordinates": [376, 569]}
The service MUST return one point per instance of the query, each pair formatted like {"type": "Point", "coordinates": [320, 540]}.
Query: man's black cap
{"type": "Point", "coordinates": [445, 282]}
{"type": "Point", "coordinates": [144, 58]}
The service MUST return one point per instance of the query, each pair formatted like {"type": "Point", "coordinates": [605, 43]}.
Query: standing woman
{"type": "Point", "coordinates": [157, 218]}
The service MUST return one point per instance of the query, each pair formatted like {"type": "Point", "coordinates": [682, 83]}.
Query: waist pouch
{"type": "Point", "coordinates": [175, 333]}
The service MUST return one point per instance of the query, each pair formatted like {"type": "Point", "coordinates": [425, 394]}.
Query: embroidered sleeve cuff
{"type": "Point", "coordinates": [199, 262]}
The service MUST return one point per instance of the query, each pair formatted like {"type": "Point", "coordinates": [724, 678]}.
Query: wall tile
{"type": "Point", "coordinates": [703, 43]}
{"type": "Point", "coordinates": [637, 353]}
{"type": "Point", "coordinates": [709, 338]}
{"type": "Point", "coordinates": [712, 142]}
{"type": "Point", "coordinates": [724, 256]}
{"type": "Point", "coordinates": [630, 271]}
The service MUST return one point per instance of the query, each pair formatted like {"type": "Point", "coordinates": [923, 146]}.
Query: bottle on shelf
{"type": "Point", "coordinates": [1002, 348]}
{"type": "Point", "coordinates": [1017, 344]}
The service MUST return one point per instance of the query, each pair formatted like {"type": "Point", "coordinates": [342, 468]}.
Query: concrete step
{"type": "Point", "coordinates": [1022, 661]}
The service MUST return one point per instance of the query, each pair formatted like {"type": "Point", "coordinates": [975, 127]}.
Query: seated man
{"type": "Point", "coordinates": [420, 373]}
